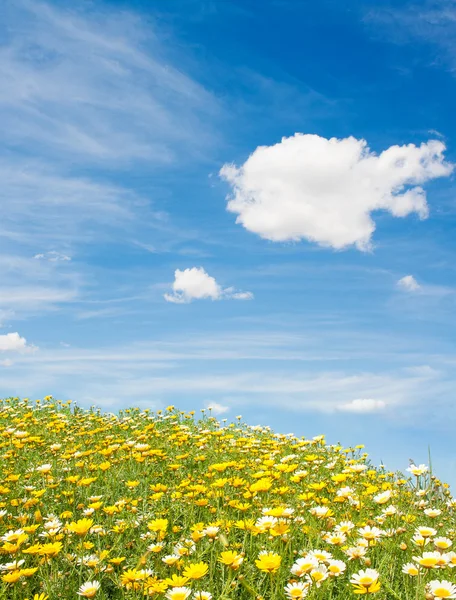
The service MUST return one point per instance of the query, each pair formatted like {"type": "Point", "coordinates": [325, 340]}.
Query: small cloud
{"type": "Point", "coordinates": [216, 408]}
{"type": "Point", "coordinates": [52, 256]}
{"type": "Point", "coordinates": [12, 341]}
{"type": "Point", "coordinates": [408, 284]}
{"type": "Point", "coordinates": [363, 405]}
{"type": "Point", "coordinates": [196, 284]}
{"type": "Point", "coordinates": [242, 296]}
{"type": "Point", "coordinates": [6, 363]}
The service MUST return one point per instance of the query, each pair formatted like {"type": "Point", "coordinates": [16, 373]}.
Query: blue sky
{"type": "Point", "coordinates": [177, 226]}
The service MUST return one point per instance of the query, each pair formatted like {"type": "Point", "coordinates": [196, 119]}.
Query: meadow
{"type": "Point", "coordinates": [168, 505]}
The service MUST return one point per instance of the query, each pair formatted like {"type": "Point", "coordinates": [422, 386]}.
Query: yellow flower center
{"type": "Point", "coordinates": [441, 592]}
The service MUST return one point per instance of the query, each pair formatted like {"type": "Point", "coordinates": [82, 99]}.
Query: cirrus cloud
{"type": "Point", "coordinates": [324, 190]}
{"type": "Point", "coordinates": [196, 284]}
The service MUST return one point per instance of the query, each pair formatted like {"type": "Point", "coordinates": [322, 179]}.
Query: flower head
{"type": "Point", "coordinates": [442, 589]}
{"type": "Point", "coordinates": [89, 589]}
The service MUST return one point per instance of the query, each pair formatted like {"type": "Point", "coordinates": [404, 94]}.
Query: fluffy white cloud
{"type": "Point", "coordinates": [196, 284]}
{"type": "Point", "coordinates": [363, 405]}
{"type": "Point", "coordinates": [408, 283]}
{"type": "Point", "coordinates": [12, 341]}
{"type": "Point", "coordinates": [324, 190]}
{"type": "Point", "coordinates": [216, 408]}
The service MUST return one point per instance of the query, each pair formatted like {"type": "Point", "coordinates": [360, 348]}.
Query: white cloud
{"type": "Point", "coordinates": [216, 408]}
{"type": "Point", "coordinates": [6, 363]}
{"type": "Point", "coordinates": [52, 256]}
{"type": "Point", "coordinates": [324, 190]}
{"type": "Point", "coordinates": [242, 296]}
{"type": "Point", "coordinates": [363, 405]}
{"type": "Point", "coordinates": [12, 342]}
{"type": "Point", "coordinates": [408, 283]}
{"type": "Point", "coordinates": [196, 284]}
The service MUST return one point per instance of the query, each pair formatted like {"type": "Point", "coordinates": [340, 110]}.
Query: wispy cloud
{"type": "Point", "coordinates": [31, 286]}
{"type": "Point", "coordinates": [85, 91]}
{"type": "Point", "coordinates": [91, 99]}
{"type": "Point", "coordinates": [97, 84]}
{"type": "Point", "coordinates": [430, 22]}
{"type": "Point", "coordinates": [252, 370]}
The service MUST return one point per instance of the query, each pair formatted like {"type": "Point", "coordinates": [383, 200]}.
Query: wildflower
{"type": "Point", "coordinates": [318, 575]}
{"type": "Point", "coordinates": [410, 569]}
{"type": "Point", "coordinates": [417, 471]}
{"type": "Point", "coordinates": [268, 562]}
{"type": "Point", "coordinates": [196, 570]}
{"type": "Point", "coordinates": [296, 591]}
{"type": "Point", "coordinates": [432, 512]}
{"type": "Point", "coordinates": [171, 559]}
{"type": "Point", "coordinates": [442, 543]}
{"type": "Point", "coordinates": [11, 577]}
{"type": "Point", "coordinates": [442, 589]}
{"type": "Point", "coordinates": [44, 469]}
{"type": "Point", "coordinates": [131, 577]}
{"type": "Point", "coordinates": [370, 533]}
{"type": "Point", "coordinates": [429, 560]}
{"type": "Point", "coordinates": [202, 596]}
{"type": "Point", "coordinates": [426, 532]}
{"type": "Point", "coordinates": [231, 559]}
{"type": "Point", "coordinates": [304, 565]}
{"type": "Point", "coordinates": [336, 567]}
{"type": "Point", "coordinates": [50, 549]}
{"type": "Point", "coordinates": [80, 527]}
{"type": "Point", "coordinates": [117, 560]}
{"type": "Point", "coordinates": [320, 555]}
{"type": "Point", "coordinates": [12, 566]}
{"type": "Point", "coordinates": [365, 581]}
{"type": "Point", "coordinates": [178, 593]}
{"type": "Point", "coordinates": [159, 525]}
{"type": "Point", "coordinates": [176, 580]}
{"type": "Point", "coordinates": [383, 497]}
{"type": "Point", "coordinates": [89, 589]}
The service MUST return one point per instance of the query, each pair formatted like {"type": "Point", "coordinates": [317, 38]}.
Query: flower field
{"type": "Point", "coordinates": [163, 505]}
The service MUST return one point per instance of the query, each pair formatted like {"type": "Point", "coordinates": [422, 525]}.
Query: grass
{"type": "Point", "coordinates": [161, 505]}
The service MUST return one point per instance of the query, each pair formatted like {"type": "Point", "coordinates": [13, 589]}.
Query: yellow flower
{"type": "Point", "coordinates": [80, 527]}
{"type": "Point", "coordinates": [35, 549]}
{"type": "Point", "coordinates": [11, 577]}
{"type": "Point", "coordinates": [196, 570]}
{"type": "Point", "coordinates": [268, 562]}
{"type": "Point", "coordinates": [117, 560]}
{"type": "Point", "coordinates": [158, 525]}
{"type": "Point", "coordinates": [131, 484]}
{"type": "Point", "coordinates": [131, 577]}
{"type": "Point", "coordinates": [176, 580]}
{"type": "Point", "coordinates": [50, 549]}
{"type": "Point", "coordinates": [28, 572]}
{"type": "Point", "coordinates": [231, 559]}
{"type": "Point", "coordinates": [262, 485]}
